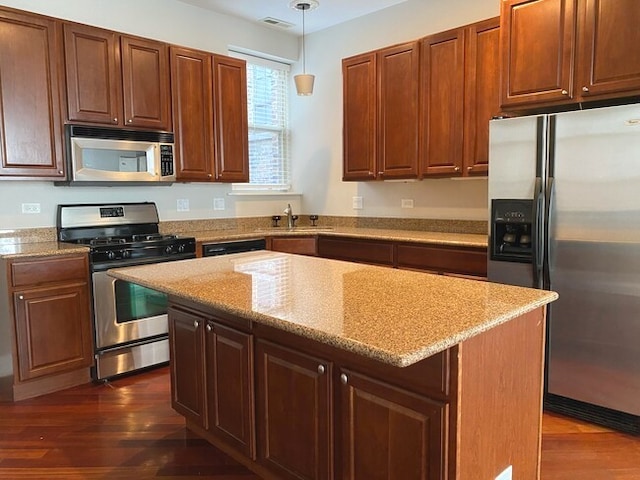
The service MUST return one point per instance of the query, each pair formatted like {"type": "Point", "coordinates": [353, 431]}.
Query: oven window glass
{"type": "Point", "coordinates": [134, 302]}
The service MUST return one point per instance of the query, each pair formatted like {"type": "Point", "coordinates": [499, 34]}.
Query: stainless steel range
{"type": "Point", "coordinates": [130, 321]}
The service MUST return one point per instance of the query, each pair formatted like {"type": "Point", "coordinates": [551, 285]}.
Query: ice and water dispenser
{"type": "Point", "coordinates": [511, 230]}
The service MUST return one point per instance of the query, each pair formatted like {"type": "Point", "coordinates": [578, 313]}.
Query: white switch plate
{"type": "Point", "coordinates": [507, 474]}
{"type": "Point", "coordinates": [406, 203]}
{"type": "Point", "coordinates": [182, 205]}
{"type": "Point", "coordinates": [218, 203]}
{"type": "Point", "coordinates": [357, 203]}
{"type": "Point", "coordinates": [30, 208]}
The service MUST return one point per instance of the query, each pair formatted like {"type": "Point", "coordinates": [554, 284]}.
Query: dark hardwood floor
{"type": "Point", "coordinates": [127, 430]}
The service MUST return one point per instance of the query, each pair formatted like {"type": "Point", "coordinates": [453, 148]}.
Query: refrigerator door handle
{"type": "Point", "coordinates": [537, 234]}
{"type": "Point", "coordinates": [547, 239]}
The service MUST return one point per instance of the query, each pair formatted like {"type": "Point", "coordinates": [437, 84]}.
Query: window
{"type": "Point", "coordinates": [268, 105]}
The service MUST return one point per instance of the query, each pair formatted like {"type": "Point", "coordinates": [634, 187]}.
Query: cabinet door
{"type": "Point", "coordinates": [192, 97]}
{"type": "Point", "coordinates": [398, 86]}
{"type": "Point", "coordinates": [145, 83]}
{"type": "Point", "coordinates": [609, 57]}
{"type": "Point", "coordinates": [53, 329]}
{"type": "Point", "coordinates": [30, 110]}
{"type": "Point", "coordinates": [386, 432]}
{"type": "Point", "coordinates": [537, 43]}
{"type": "Point", "coordinates": [293, 411]}
{"type": "Point", "coordinates": [298, 245]}
{"type": "Point", "coordinates": [92, 62]}
{"type": "Point", "coordinates": [186, 342]}
{"type": "Point", "coordinates": [359, 117]}
{"type": "Point", "coordinates": [230, 119]}
{"type": "Point", "coordinates": [441, 100]}
{"type": "Point", "coordinates": [230, 386]}
{"type": "Point", "coordinates": [482, 93]}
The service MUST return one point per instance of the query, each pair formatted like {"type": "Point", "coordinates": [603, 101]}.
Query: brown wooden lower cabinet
{"type": "Point", "coordinates": [46, 301]}
{"type": "Point", "coordinates": [374, 252]}
{"type": "Point", "coordinates": [294, 412]}
{"type": "Point", "coordinates": [387, 432]}
{"type": "Point", "coordinates": [300, 245]}
{"type": "Point", "coordinates": [325, 413]}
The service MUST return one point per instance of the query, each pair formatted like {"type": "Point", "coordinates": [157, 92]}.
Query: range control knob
{"type": "Point", "coordinates": [181, 248]}
{"type": "Point", "coordinates": [168, 249]}
{"type": "Point", "coordinates": [111, 255]}
{"type": "Point", "coordinates": [126, 254]}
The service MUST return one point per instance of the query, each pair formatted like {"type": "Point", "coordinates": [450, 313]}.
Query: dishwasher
{"type": "Point", "coordinates": [234, 246]}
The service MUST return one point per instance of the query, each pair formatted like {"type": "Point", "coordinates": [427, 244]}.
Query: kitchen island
{"type": "Point", "coordinates": [303, 367]}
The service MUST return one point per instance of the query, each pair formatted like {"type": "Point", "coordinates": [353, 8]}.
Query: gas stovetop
{"type": "Point", "coordinates": [120, 234]}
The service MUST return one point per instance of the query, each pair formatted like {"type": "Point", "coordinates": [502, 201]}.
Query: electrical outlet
{"type": "Point", "coordinates": [406, 203]}
{"type": "Point", "coordinates": [30, 208]}
{"type": "Point", "coordinates": [357, 203]}
{"type": "Point", "coordinates": [218, 203]}
{"type": "Point", "coordinates": [182, 205]}
{"type": "Point", "coordinates": [507, 474]}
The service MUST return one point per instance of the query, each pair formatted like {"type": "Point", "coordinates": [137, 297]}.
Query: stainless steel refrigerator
{"type": "Point", "coordinates": [564, 197]}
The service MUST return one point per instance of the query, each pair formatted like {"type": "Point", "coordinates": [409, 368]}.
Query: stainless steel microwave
{"type": "Point", "coordinates": [107, 156]}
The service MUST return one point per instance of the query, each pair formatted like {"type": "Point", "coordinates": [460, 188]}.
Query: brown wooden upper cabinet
{"type": "Point", "coordinates": [381, 127]}
{"type": "Point", "coordinates": [30, 97]}
{"type": "Point", "coordinates": [117, 80]}
{"type": "Point", "coordinates": [460, 93]}
{"type": "Point", "coordinates": [565, 51]}
{"type": "Point", "coordinates": [209, 96]}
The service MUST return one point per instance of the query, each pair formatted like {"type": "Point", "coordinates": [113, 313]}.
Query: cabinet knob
{"type": "Point", "coordinates": [456, 169]}
{"type": "Point", "coordinates": [585, 89]}
{"type": "Point", "coordinates": [344, 379]}
{"type": "Point", "coordinates": [130, 121]}
{"type": "Point", "coordinates": [380, 173]}
{"type": "Point", "coordinates": [321, 369]}
{"type": "Point", "coordinates": [21, 297]}
{"type": "Point", "coordinates": [469, 169]}
{"type": "Point", "coordinates": [115, 120]}
{"type": "Point", "coordinates": [564, 92]}
{"type": "Point", "coordinates": [196, 324]}
{"type": "Point", "coordinates": [60, 172]}
{"type": "Point", "coordinates": [209, 175]}
{"type": "Point", "coordinates": [209, 328]}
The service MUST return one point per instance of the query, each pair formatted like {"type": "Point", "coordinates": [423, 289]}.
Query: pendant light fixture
{"type": "Point", "coordinates": [304, 81]}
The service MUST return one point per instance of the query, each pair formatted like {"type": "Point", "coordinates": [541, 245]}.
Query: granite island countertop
{"type": "Point", "coordinates": [397, 317]}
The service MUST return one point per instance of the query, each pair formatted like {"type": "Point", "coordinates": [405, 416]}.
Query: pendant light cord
{"type": "Point", "coordinates": [304, 67]}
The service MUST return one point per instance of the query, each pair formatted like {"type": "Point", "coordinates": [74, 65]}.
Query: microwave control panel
{"type": "Point", "coordinates": [166, 160]}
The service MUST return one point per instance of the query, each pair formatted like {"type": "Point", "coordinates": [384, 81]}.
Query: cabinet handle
{"type": "Point", "coordinates": [380, 173]}
{"type": "Point", "coordinates": [321, 369]}
{"type": "Point", "coordinates": [196, 324]}
{"type": "Point", "coordinates": [21, 297]}
{"type": "Point", "coordinates": [130, 121]}
{"type": "Point", "coordinates": [209, 328]}
{"type": "Point", "coordinates": [209, 175]}
{"type": "Point", "coordinates": [585, 89]}
{"type": "Point", "coordinates": [60, 172]}
{"type": "Point", "coordinates": [344, 379]}
{"type": "Point", "coordinates": [564, 92]}
{"type": "Point", "coordinates": [469, 169]}
{"type": "Point", "coordinates": [115, 120]}
{"type": "Point", "coordinates": [456, 169]}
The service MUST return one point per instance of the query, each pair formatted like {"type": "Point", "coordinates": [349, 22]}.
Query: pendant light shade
{"type": "Point", "coordinates": [304, 81]}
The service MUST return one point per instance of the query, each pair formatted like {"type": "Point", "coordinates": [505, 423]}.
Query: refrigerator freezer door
{"type": "Point", "coordinates": [517, 156]}
{"type": "Point", "coordinates": [594, 261]}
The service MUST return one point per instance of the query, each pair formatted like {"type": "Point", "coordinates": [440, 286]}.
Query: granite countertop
{"type": "Point", "coordinates": [395, 316]}
{"type": "Point", "coordinates": [39, 249]}
{"type": "Point", "coordinates": [441, 238]}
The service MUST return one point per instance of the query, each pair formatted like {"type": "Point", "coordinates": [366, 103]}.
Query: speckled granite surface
{"type": "Point", "coordinates": [17, 250]}
{"type": "Point", "coordinates": [397, 317]}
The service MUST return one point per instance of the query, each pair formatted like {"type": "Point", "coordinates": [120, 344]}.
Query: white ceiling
{"type": "Point", "coordinates": [327, 14]}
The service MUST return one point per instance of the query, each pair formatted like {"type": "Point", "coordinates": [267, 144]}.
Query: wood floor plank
{"type": "Point", "coordinates": [126, 429]}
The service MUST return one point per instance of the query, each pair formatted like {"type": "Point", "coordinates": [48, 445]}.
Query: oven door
{"type": "Point", "coordinates": [125, 312]}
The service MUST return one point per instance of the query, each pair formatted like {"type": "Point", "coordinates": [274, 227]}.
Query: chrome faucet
{"type": "Point", "coordinates": [289, 213]}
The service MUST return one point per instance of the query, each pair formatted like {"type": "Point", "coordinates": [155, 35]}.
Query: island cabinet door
{"type": "Point", "coordinates": [229, 372]}
{"type": "Point", "coordinates": [187, 365]}
{"type": "Point", "coordinates": [388, 433]}
{"type": "Point", "coordinates": [293, 413]}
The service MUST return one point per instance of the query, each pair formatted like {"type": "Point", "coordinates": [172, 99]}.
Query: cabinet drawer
{"type": "Point", "coordinates": [356, 250]}
{"type": "Point", "coordinates": [441, 259]}
{"type": "Point", "coordinates": [49, 270]}
{"type": "Point", "coordinates": [299, 245]}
